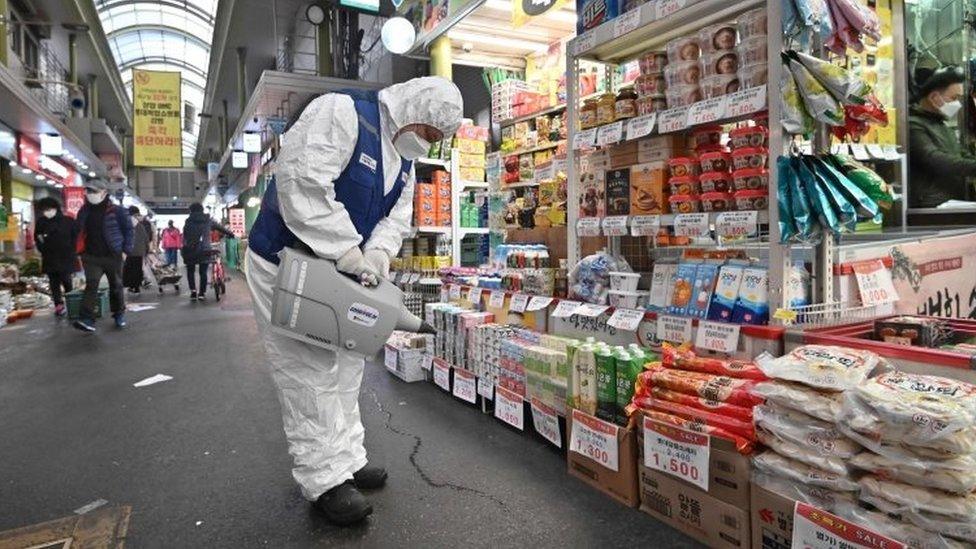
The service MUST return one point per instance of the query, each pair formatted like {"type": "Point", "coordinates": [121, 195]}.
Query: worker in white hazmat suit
{"type": "Point", "coordinates": [344, 190]}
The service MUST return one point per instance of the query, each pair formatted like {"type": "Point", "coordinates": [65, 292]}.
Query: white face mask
{"type": "Point", "coordinates": [49, 213]}
{"type": "Point", "coordinates": [410, 146]}
{"type": "Point", "coordinates": [951, 109]}
{"type": "Point", "coordinates": [96, 197]}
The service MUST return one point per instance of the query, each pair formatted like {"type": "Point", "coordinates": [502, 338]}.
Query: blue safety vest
{"type": "Point", "coordinates": [359, 187]}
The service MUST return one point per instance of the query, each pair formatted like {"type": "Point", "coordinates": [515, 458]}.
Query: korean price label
{"type": "Point", "coordinates": [874, 282]}
{"type": "Point", "coordinates": [707, 111]}
{"type": "Point", "coordinates": [474, 295]}
{"type": "Point", "coordinates": [496, 300]}
{"type": "Point", "coordinates": [442, 374]}
{"type": "Point", "coordinates": [626, 319]}
{"type": "Point", "coordinates": [677, 452]}
{"type": "Point", "coordinates": [746, 101]}
{"type": "Point", "coordinates": [839, 148]}
{"type": "Point", "coordinates": [860, 152]}
{"type": "Point", "coordinates": [414, 277]}
{"type": "Point", "coordinates": [615, 225]}
{"type": "Point", "coordinates": [876, 151]}
{"type": "Point", "coordinates": [585, 42]}
{"type": "Point", "coordinates": [546, 422]}
{"type": "Point", "coordinates": [485, 388]}
{"type": "Point", "coordinates": [545, 172]}
{"type": "Point", "coordinates": [455, 292]}
{"type": "Point", "coordinates": [585, 139]}
{"type": "Point", "coordinates": [717, 336]}
{"type": "Point", "coordinates": [610, 134]}
{"type": "Point", "coordinates": [667, 7]}
{"type": "Point", "coordinates": [595, 439]}
{"type": "Point", "coordinates": [565, 309]}
{"type": "Point", "coordinates": [464, 386]}
{"type": "Point", "coordinates": [509, 408]}
{"type": "Point", "coordinates": [639, 126]}
{"type": "Point", "coordinates": [538, 302]}
{"type": "Point", "coordinates": [591, 309]}
{"type": "Point", "coordinates": [558, 165]}
{"type": "Point", "coordinates": [815, 528]}
{"type": "Point", "coordinates": [672, 120]}
{"type": "Point", "coordinates": [627, 22]}
{"type": "Point", "coordinates": [891, 153]}
{"type": "Point", "coordinates": [645, 225]}
{"type": "Point", "coordinates": [675, 329]}
{"type": "Point", "coordinates": [390, 357]}
{"type": "Point", "coordinates": [588, 226]}
{"type": "Point", "coordinates": [691, 224]}
{"type": "Point", "coordinates": [518, 303]}
{"type": "Point", "coordinates": [731, 226]}
{"type": "Point", "coordinates": [427, 361]}
{"type": "Point", "coordinates": [445, 294]}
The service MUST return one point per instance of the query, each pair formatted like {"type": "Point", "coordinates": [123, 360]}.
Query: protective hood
{"type": "Point", "coordinates": [430, 100]}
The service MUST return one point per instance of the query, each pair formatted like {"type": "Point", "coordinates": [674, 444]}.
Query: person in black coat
{"type": "Point", "coordinates": [55, 235]}
{"type": "Point", "coordinates": [197, 249]}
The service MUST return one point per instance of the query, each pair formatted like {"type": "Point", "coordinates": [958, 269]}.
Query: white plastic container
{"type": "Point", "coordinates": [626, 299]}
{"type": "Point", "coordinates": [620, 280]}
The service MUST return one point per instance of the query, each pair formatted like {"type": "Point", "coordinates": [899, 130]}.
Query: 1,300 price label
{"type": "Point", "coordinates": [596, 439]}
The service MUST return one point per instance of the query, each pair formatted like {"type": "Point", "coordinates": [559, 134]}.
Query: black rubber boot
{"type": "Point", "coordinates": [369, 478]}
{"type": "Point", "coordinates": [344, 505]}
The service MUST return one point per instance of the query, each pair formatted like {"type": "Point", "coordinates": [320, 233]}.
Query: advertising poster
{"type": "Point", "coordinates": [157, 125]}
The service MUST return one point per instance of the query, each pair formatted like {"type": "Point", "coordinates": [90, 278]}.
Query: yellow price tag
{"type": "Point", "coordinates": [785, 315]}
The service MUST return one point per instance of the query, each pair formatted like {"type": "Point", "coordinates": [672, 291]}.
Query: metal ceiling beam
{"type": "Point", "coordinates": [163, 61]}
{"type": "Point", "coordinates": [164, 29]}
{"type": "Point", "coordinates": [183, 6]}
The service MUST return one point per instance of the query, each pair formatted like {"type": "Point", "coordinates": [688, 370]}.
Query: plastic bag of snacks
{"type": "Point", "coordinates": [718, 388]}
{"type": "Point", "coordinates": [737, 427]}
{"type": "Point", "coordinates": [866, 208]}
{"type": "Point", "coordinates": [590, 278]}
{"type": "Point", "coordinates": [775, 464]}
{"type": "Point", "coordinates": [821, 405]}
{"type": "Point", "coordinates": [684, 358]}
{"type": "Point", "coordinates": [821, 498]}
{"type": "Point", "coordinates": [866, 179]}
{"type": "Point", "coordinates": [956, 475]}
{"type": "Point", "coordinates": [821, 209]}
{"type": "Point", "coordinates": [898, 497]}
{"type": "Point", "coordinates": [929, 412]}
{"type": "Point", "coordinates": [742, 444]}
{"type": "Point", "coordinates": [817, 436]}
{"type": "Point", "coordinates": [844, 85]}
{"type": "Point", "coordinates": [823, 367]}
{"type": "Point", "coordinates": [731, 410]}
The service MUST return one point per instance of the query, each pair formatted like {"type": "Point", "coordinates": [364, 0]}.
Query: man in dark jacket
{"type": "Point", "coordinates": [939, 166]}
{"type": "Point", "coordinates": [105, 234]}
{"type": "Point", "coordinates": [132, 269]}
{"type": "Point", "coordinates": [197, 249]}
{"type": "Point", "coordinates": [55, 234]}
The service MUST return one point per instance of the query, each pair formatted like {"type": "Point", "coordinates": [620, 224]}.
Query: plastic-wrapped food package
{"type": "Point", "coordinates": [866, 179]}
{"type": "Point", "coordinates": [786, 182]}
{"type": "Point", "coordinates": [742, 444]}
{"type": "Point", "coordinates": [956, 475]}
{"type": "Point", "coordinates": [844, 210]}
{"type": "Point", "coordinates": [866, 208]}
{"type": "Point", "coordinates": [737, 427]}
{"type": "Point", "coordinates": [821, 498]}
{"type": "Point", "coordinates": [718, 388]}
{"type": "Point", "coordinates": [901, 497]}
{"type": "Point", "coordinates": [821, 405]}
{"type": "Point", "coordinates": [684, 358]}
{"type": "Point", "coordinates": [818, 101]}
{"type": "Point", "coordinates": [917, 410]}
{"type": "Point", "coordinates": [731, 410]}
{"type": "Point", "coordinates": [590, 278]}
{"type": "Point", "coordinates": [912, 536]}
{"type": "Point", "coordinates": [795, 118]}
{"type": "Point", "coordinates": [844, 85]}
{"type": "Point", "coordinates": [959, 529]}
{"type": "Point", "coordinates": [823, 367]}
{"type": "Point", "coordinates": [811, 433]}
{"type": "Point", "coordinates": [801, 454]}
{"type": "Point", "coordinates": [774, 464]}
{"type": "Point", "coordinates": [808, 229]}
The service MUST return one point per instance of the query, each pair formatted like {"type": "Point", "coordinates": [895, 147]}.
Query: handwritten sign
{"type": "Point", "coordinates": [731, 226]}
{"type": "Point", "coordinates": [615, 225]}
{"type": "Point", "coordinates": [627, 22]}
{"type": "Point", "coordinates": [546, 422]}
{"type": "Point", "coordinates": [665, 8]}
{"type": "Point", "coordinates": [442, 374]}
{"type": "Point", "coordinates": [691, 224]}
{"type": "Point", "coordinates": [626, 319]}
{"type": "Point", "coordinates": [718, 336]}
{"type": "Point", "coordinates": [874, 282]}
{"type": "Point", "coordinates": [496, 300]}
{"type": "Point", "coordinates": [427, 361]}
{"type": "Point", "coordinates": [390, 357]}
{"type": "Point", "coordinates": [455, 292]}
{"type": "Point", "coordinates": [677, 452]}
{"type": "Point", "coordinates": [591, 309]}
{"type": "Point", "coordinates": [538, 302]}
{"type": "Point", "coordinates": [518, 303]}
{"type": "Point", "coordinates": [509, 407]}
{"type": "Point", "coordinates": [588, 226]}
{"type": "Point", "coordinates": [746, 101]}
{"type": "Point", "coordinates": [565, 309]}
{"type": "Point", "coordinates": [708, 111]}
{"type": "Point", "coordinates": [585, 139]}
{"type": "Point", "coordinates": [545, 172]}
{"type": "Point", "coordinates": [486, 388]}
{"type": "Point", "coordinates": [639, 126]}
{"type": "Point", "coordinates": [585, 42]}
{"type": "Point", "coordinates": [464, 386]}
{"type": "Point", "coordinates": [645, 225]}
{"type": "Point", "coordinates": [860, 152]}
{"type": "Point", "coordinates": [672, 120]}
{"type": "Point", "coordinates": [474, 295]}
{"type": "Point", "coordinates": [596, 439]}
{"type": "Point", "coordinates": [610, 134]}
{"type": "Point", "coordinates": [675, 329]}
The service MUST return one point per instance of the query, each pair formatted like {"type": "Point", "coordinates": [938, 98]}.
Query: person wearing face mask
{"type": "Point", "coordinates": [343, 191]}
{"type": "Point", "coordinates": [132, 273]}
{"type": "Point", "coordinates": [54, 234]}
{"type": "Point", "coordinates": [105, 234]}
{"type": "Point", "coordinates": [939, 166]}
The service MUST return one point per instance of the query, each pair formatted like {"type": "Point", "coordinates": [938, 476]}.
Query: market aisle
{"type": "Point", "coordinates": [202, 459]}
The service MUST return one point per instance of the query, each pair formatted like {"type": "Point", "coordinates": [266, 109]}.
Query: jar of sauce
{"type": "Point", "coordinates": [626, 104]}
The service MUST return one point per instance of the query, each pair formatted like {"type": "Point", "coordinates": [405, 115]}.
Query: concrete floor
{"type": "Point", "coordinates": [202, 459]}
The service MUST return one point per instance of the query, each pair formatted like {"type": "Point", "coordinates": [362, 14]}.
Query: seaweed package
{"type": "Point", "coordinates": [846, 214]}
{"type": "Point", "coordinates": [818, 101]}
{"type": "Point", "coordinates": [785, 181]}
{"type": "Point", "coordinates": [795, 118]}
{"type": "Point", "coordinates": [865, 178]}
{"type": "Point", "coordinates": [817, 199]}
{"type": "Point", "coordinates": [844, 85]}
{"type": "Point", "coordinates": [865, 208]}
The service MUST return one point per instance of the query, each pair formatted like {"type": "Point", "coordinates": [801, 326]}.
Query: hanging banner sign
{"type": "Point", "coordinates": [156, 121]}
{"type": "Point", "coordinates": [74, 199]}
{"type": "Point", "coordinates": [235, 217]}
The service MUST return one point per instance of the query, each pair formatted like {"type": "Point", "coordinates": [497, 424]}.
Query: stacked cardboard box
{"type": "Point", "coordinates": [472, 144]}
{"type": "Point", "coordinates": [441, 181]}
{"type": "Point", "coordinates": [425, 205]}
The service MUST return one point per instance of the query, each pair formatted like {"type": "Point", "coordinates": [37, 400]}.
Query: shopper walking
{"type": "Point", "coordinates": [344, 190]}
{"type": "Point", "coordinates": [55, 235]}
{"type": "Point", "coordinates": [172, 242]}
{"type": "Point", "coordinates": [105, 235]}
{"type": "Point", "coordinates": [197, 249]}
{"type": "Point", "coordinates": [132, 273]}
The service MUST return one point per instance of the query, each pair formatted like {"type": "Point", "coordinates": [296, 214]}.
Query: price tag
{"type": "Point", "coordinates": [538, 302]}
{"type": "Point", "coordinates": [627, 22]}
{"type": "Point", "coordinates": [615, 225]}
{"type": "Point", "coordinates": [545, 172]}
{"type": "Point", "coordinates": [595, 439]}
{"type": "Point", "coordinates": [626, 319]}
{"type": "Point", "coordinates": [860, 152]}
{"type": "Point", "coordinates": [558, 165]}
{"type": "Point", "coordinates": [518, 303]}
{"type": "Point", "coordinates": [427, 361]}
{"type": "Point", "coordinates": [676, 329]}
{"type": "Point", "coordinates": [610, 134]}
{"type": "Point", "coordinates": [442, 374]}
{"type": "Point", "coordinates": [455, 292]}
{"type": "Point", "coordinates": [390, 357]}
{"type": "Point", "coordinates": [717, 336]}
{"type": "Point", "coordinates": [465, 386]}
{"type": "Point", "coordinates": [414, 277]}
{"type": "Point", "coordinates": [591, 309]}
{"type": "Point", "coordinates": [486, 388]}
{"type": "Point", "coordinates": [588, 226]}
{"type": "Point", "coordinates": [708, 111]}
{"type": "Point", "coordinates": [509, 408]}
{"type": "Point", "coordinates": [815, 528]}
{"type": "Point", "coordinates": [876, 151]}
{"type": "Point", "coordinates": [585, 139]}
{"type": "Point", "coordinates": [474, 295]}
{"type": "Point", "coordinates": [639, 126]}
{"type": "Point", "coordinates": [445, 294]}
{"type": "Point", "coordinates": [565, 309]}
{"type": "Point", "coordinates": [839, 148]}
{"type": "Point", "coordinates": [585, 42]}
{"type": "Point", "coordinates": [891, 153]}
{"type": "Point", "coordinates": [788, 316]}
{"type": "Point", "coordinates": [546, 422]}
{"type": "Point", "coordinates": [672, 120]}
{"type": "Point", "coordinates": [806, 148]}
{"type": "Point", "coordinates": [665, 8]}
{"type": "Point", "coordinates": [496, 300]}
{"type": "Point", "coordinates": [691, 224]}
{"type": "Point", "coordinates": [746, 101]}
{"type": "Point", "coordinates": [874, 282]}
{"type": "Point", "coordinates": [736, 225]}
{"type": "Point", "coordinates": [645, 225]}
{"type": "Point", "coordinates": [677, 452]}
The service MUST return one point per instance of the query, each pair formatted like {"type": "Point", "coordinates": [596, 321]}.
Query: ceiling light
{"type": "Point", "coordinates": [398, 35]}
{"type": "Point", "coordinates": [174, 198]}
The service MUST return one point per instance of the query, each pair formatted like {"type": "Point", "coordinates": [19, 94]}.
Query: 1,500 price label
{"type": "Point", "coordinates": [678, 452]}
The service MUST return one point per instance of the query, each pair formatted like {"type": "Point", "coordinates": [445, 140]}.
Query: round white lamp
{"type": "Point", "coordinates": [398, 35]}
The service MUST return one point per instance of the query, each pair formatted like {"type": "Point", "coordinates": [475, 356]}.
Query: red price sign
{"type": "Point", "coordinates": [509, 408]}
{"type": "Point", "coordinates": [668, 7]}
{"type": "Point", "coordinates": [546, 422]}
{"type": "Point", "coordinates": [442, 374]}
{"type": "Point", "coordinates": [595, 439]}
{"type": "Point", "coordinates": [874, 282]}
{"type": "Point", "coordinates": [815, 528]}
{"type": "Point", "coordinates": [465, 386]}
{"type": "Point", "coordinates": [678, 452]}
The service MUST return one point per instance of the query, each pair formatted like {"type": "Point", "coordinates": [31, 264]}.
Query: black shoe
{"type": "Point", "coordinates": [193, 296]}
{"type": "Point", "coordinates": [202, 297]}
{"type": "Point", "coordinates": [344, 505]}
{"type": "Point", "coordinates": [369, 478]}
{"type": "Point", "coordinates": [84, 325]}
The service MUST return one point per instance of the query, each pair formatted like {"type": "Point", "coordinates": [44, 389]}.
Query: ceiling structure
{"type": "Point", "coordinates": [164, 35]}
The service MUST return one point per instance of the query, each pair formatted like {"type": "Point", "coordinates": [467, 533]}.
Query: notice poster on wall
{"type": "Point", "coordinates": [156, 121]}
{"type": "Point", "coordinates": [74, 199]}
{"type": "Point", "coordinates": [235, 218]}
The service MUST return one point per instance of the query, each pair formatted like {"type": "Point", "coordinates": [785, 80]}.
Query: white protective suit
{"type": "Point", "coordinates": [319, 389]}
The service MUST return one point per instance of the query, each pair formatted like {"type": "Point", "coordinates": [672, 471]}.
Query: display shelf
{"type": "Point", "coordinates": [432, 230]}
{"type": "Point", "coordinates": [446, 164]}
{"type": "Point", "coordinates": [465, 231]}
{"type": "Point", "coordinates": [527, 117]}
{"type": "Point", "coordinates": [519, 185]}
{"type": "Point", "coordinates": [474, 184]}
{"type": "Point", "coordinates": [543, 147]}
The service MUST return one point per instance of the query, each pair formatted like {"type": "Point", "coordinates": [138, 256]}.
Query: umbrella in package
{"type": "Point", "coordinates": [865, 208]}
{"type": "Point", "coordinates": [785, 182]}
{"type": "Point", "coordinates": [731, 410]}
{"type": "Point", "coordinates": [816, 198]}
{"type": "Point", "coordinates": [864, 178]}
{"type": "Point", "coordinates": [818, 101]}
{"type": "Point", "coordinates": [844, 85]}
{"type": "Point", "coordinates": [718, 388]}
{"type": "Point", "coordinates": [844, 210]}
{"type": "Point", "coordinates": [684, 358]}
{"type": "Point", "coordinates": [795, 118]}
{"type": "Point", "coordinates": [823, 367]}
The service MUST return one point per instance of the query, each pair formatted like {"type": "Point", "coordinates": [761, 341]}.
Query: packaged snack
{"type": "Point", "coordinates": [626, 299]}
{"type": "Point", "coordinates": [626, 105]}
{"type": "Point", "coordinates": [821, 405]}
{"type": "Point", "coordinates": [747, 137]}
{"type": "Point", "coordinates": [592, 194]}
{"type": "Point", "coordinates": [716, 202]}
{"type": "Point", "coordinates": [684, 203]}
{"type": "Point", "coordinates": [752, 23]}
{"type": "Point", "coordinates": [821, 498]}
{"type": "Point", "coordinates": [801, 454]}
{"type": "Point", "coordinates": [845, 86]}
{"type": "Point", "coordinates": [720, 388]}
{"type": "Point", "coordinates": [786, 182]}
{"type": "Point", "coordinates": [706, 138]}
{"type": "Point", "coordinates": [719, 63]}
{"type": "Point", "coordinates": [606, 108]}
{"type": "Point", "coordinates": [652, 62]}
{"type": "Point", "coordinates": [715, 182]}
{"type": "Point", "coordinates": [866, 179]}
{"type": "Point", "coordinates": [652, 103]}
{"type": "Point", "coordinates": [661, 283]}
{"type": "Point", "coordinates": [720, 37]}
{"type": "Point", "coordinates": [593, 13]}
{"type": "Point", "coordinates": [683, 284]}
{"type": "Point", "coordinates": [526, 167]}
{"type": "Point", "coordinates": [647, 189]}
{"type": "Point", "coordinates": [795, 118]}
{"type": "Point", "coordinates": [774, 464]}
{"type": "Point", "coordinates": [956, 475]}
{"type": "Point", "coordinates": [684, 358]}
{"type": "Point", "coordinates": [715, 161]}
{"type": "Point", "coordinates": [701, 293]}
{"type": "Point", "coordinates": [617, 195]}
{"type": "Point", "coordinates": [830, 197]}
{"type": "Point", "coordinates": [816, 99]}
{"type": "Point", "coordinates": [751, 200]}
{"type": "Point", "coordinates": [684, 48]}
{"type": "Point", "coordinates": [865, 207]}
{"type": "Point", "coordinates": [753, 304]}
{"type": "Point", "coordinates": [682, 96]}
{"type": "Point", "coordinates": [905, 497]}
{"type": "Point", "coordinates": [682, 73]}
{"type": "Point", "coordinates": [752, 51]}
{"type": "Point", "coordinates": [742, 444]}
{"type": "Point", "coordinates": [750, 179]}
{"type": "Point", "coordinates": [725, 296]}
{"type": "Point", "coordinates": [683, 166]}
{"type": "Point", "coordinates": [740, 413]}
{"type": "Point", "coordinates": [823, 367]}
{"type": "Point", "coordinates": [587, 114]}
{"type": "Point", "coordinates": [606, 384]}
{"type": "Point", "coordinates": [650, 84]}
{"type": "Point", "coordinates": [729, 424]}
{"type": "Point", "coordinates": [818, 437]}
{"type": "Point", "coordinates": [753, 157]}
{"type": "Point", "coordinates": [684, 184]}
